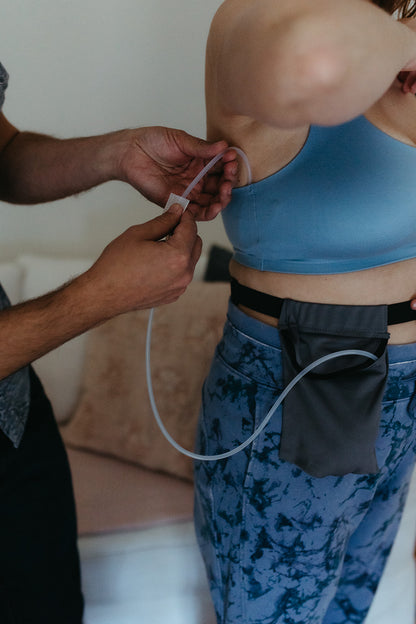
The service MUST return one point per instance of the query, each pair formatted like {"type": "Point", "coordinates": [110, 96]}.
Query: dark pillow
{"type": "Point", "coordinates": [217, 266]}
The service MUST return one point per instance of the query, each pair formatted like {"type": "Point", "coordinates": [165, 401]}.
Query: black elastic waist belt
{"type": "Point", "coordinates": [267, 304]}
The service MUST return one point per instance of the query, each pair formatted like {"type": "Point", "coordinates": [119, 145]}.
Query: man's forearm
{"type": "Point", "coordinates": [31, 329]}
{"type": "Point", "coordinates": [135, 271]}
{"type": "Point", "coordinates": [36, 168]}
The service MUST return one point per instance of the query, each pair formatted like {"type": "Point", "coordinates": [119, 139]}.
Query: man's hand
{"type": "Point", "coordinates": [141, 268]}
{"type": "Point", "coordinates": [158, 161]}
{"type": "Point", "coordinates": [137, 270]}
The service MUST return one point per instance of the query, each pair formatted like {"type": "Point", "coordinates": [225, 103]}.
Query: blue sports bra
{"type": "Point", "coordinates": [346, 202]}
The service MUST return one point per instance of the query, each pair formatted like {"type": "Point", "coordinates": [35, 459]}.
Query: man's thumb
{"type": "Point", "coordinates": [163, 224]}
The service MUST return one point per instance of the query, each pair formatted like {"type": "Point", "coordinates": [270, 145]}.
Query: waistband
{"type": "Point", "coordinates": [269, 335]}
{"type": "Point", "coordinates": [271, 306]}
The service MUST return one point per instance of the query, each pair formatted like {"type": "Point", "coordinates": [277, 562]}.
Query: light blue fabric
{"type": "Point", "coordinates": [280, 546]}
{"type": "Point", "coordinates": [15, 389]}
{"type": "Point", "coordinates": [345, 203]}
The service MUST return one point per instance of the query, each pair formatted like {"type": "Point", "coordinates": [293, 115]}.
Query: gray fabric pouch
{"type": "Point", "coordinates": [331, 417]}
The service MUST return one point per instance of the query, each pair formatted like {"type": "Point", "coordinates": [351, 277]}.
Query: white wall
{"type": "Point", "coordinates": [84, 67]}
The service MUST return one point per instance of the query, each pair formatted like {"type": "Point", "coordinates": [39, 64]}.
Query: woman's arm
{"type": "Point", "coordinates": [290, 63]}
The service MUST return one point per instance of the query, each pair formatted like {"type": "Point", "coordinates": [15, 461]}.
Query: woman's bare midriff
{"type": "Point", "coordinates": [382, 285]}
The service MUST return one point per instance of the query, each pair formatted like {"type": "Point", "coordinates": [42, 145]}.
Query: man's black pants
{"type": "Point", "coordinates": [39, 561]}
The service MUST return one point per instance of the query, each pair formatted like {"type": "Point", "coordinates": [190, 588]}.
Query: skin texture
{"type": "Point", "coordinates": [275, 68]}
{"type": "Point", "coordinates": [143, 267]}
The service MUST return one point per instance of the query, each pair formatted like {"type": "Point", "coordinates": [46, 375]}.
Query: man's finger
{"type": "Point", "coordinates": [197, 250]}
{"type": "Point", "coordinates": [199, 148]}
{"type": "Point", "coordinates": [185, 233]}
{"type": "Point", "coordinates": [162, 225]}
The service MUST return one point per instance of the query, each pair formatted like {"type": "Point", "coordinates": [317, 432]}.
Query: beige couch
{"type": "Point", "coordinates": [97, 385]}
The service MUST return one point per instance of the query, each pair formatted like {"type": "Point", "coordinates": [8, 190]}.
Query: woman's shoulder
{"type": "Point", "coordinates": [229, 117]}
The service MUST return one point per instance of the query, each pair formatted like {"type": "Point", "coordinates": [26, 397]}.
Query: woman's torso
{"type": "Point", "coordinates": [270, 150]}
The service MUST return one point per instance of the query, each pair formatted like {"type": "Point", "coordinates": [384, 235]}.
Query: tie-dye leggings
{"type": "Point", "coordinates": [280, 546]}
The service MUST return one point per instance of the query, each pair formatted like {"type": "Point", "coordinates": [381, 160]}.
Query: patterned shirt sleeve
{"type": "Point", "coordinates": [4, 80]}
{"type": "Point", "coordinates": [15, 389]}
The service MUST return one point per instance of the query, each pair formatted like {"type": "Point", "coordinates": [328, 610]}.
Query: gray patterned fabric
{"type": "Point", "coordinates": [15, 389]}
{"type": "Point", "coordinates": [4, 79]}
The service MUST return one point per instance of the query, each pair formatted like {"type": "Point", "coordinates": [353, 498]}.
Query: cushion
{"type": "Point", "coordinates": [217, 264]}
{"type": "Point", "coordinates": [114, 415]}
{"type": "Point", "coordinates": [113, 495]}
{"type": "Point", "coordinates": [61, 369]}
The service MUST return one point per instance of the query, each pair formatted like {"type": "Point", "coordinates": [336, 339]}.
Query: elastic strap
{"type": "Point", "coordinates": [272, 306]}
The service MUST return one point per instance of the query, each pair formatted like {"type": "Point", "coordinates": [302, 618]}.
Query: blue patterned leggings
{"type": "Point", "coordinates": [280, 546]}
